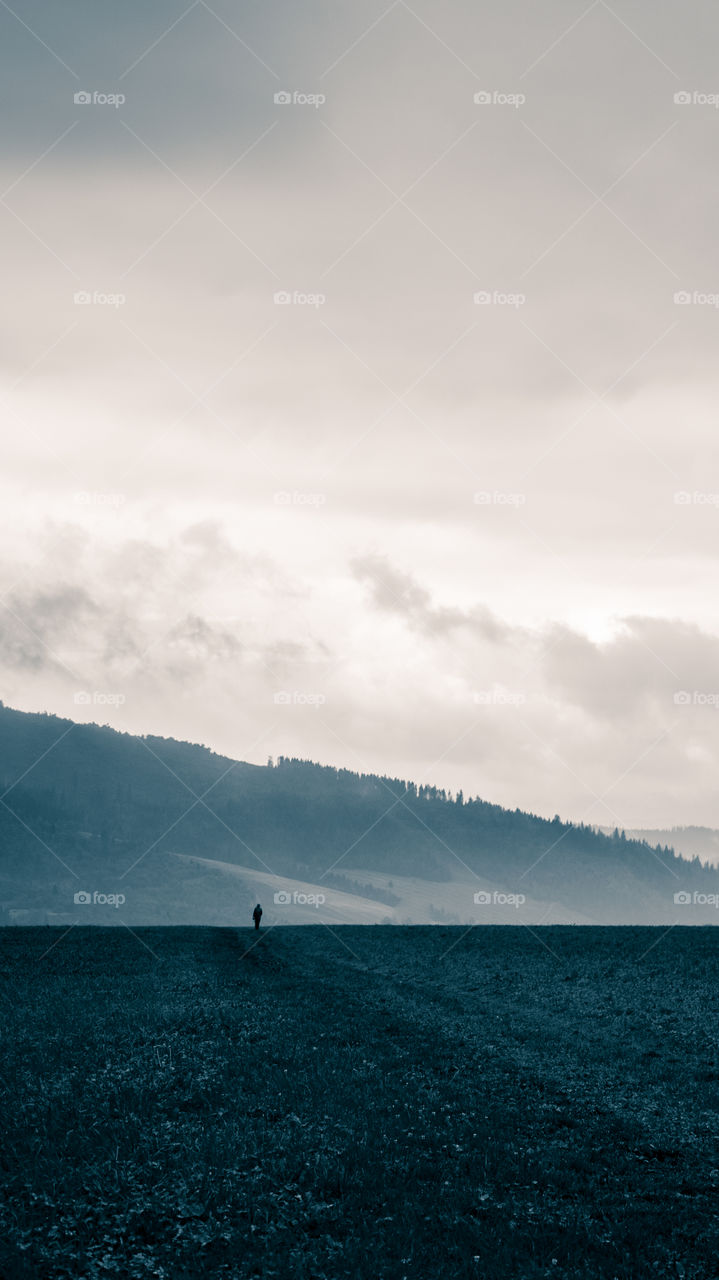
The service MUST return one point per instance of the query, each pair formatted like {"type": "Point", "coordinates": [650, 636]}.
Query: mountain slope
{"type": "Point", "coordinates": [85, 808]}
{"type": "Point", "coordinates": [690, 842]}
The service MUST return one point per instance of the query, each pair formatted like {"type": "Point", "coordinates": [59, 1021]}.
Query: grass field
{"type": "Point", "coordinates": [369, 1102]}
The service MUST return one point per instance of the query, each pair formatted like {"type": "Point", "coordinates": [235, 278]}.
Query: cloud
{"type": "Point", "coordinates": [148, 440]}
{"type": "Point", "coordinates": [394, 591]}
{"type": "Point", "coordinates": [621, 730]}
{"type": "Point", "coordinates": [36, 624]}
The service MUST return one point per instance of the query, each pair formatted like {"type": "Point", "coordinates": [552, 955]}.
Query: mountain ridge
{"type": "Point", "coordinates": [92, 808]}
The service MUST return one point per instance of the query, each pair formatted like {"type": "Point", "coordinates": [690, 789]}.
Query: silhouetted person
{"type": "Point", "coordinates": [257, 915]}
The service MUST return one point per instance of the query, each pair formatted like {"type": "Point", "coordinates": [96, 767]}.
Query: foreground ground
{"type": "Point", "coordinates": [364, 1103]}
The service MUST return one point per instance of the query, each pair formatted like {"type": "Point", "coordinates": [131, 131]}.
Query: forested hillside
{"type": "Point", "coordinates": [86, 799]}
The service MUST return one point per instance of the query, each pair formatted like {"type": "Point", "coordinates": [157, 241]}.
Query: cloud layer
{"type": "Point", "coordinates": [469, 454]}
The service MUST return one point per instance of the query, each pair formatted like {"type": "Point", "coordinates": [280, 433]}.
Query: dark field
{"type": "Point", "coordinates": [369, 1102]}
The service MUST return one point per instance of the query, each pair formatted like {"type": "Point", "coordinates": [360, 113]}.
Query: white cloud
{"type": "Point", "coordinates": [209, 496]}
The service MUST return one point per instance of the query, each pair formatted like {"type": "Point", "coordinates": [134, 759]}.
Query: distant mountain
{"type": "Point", "coordinates": [85, 810]}
{"type": "Point", "coordinates": [690, 842]}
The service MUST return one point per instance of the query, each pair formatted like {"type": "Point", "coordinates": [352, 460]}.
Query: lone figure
{"type": "Point", "coordinates": [257, 915]}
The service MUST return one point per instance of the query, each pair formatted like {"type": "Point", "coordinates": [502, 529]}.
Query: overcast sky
{"type": "Point", "coordinates": [450, 513]}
